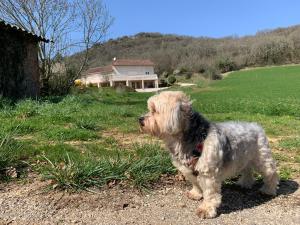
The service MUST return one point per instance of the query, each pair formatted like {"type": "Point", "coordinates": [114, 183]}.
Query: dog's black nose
{"type": "Point", "coordinates": [141, 121]}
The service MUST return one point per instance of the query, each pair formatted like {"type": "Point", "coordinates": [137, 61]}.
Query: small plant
{"type": "Point", "coordinates": [87, 124]}
{"type": "Point", "coordinates": [285, 173]}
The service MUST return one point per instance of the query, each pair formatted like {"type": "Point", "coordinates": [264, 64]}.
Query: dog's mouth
{"type": "Point", "coordinates": [142, 121]}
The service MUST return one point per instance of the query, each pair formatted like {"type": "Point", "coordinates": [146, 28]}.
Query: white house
{"type": "Point", "coordinates": [138, 74]}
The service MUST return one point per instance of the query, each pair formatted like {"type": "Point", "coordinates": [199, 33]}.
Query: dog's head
{"type": "Point", "coordinates": [168, 114]}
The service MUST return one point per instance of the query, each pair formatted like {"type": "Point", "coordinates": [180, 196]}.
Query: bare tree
{"type": "Point", "coordinates": [60, 21]}
{"type": "Point", "coordinates": [94, 29]}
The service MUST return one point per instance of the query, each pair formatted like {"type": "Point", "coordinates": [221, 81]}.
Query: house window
{"type": "Point", "coordinates": [147, 73]}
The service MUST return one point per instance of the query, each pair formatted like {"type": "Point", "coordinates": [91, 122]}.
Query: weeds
{"type": "Point", "coordinates": [141, 168]}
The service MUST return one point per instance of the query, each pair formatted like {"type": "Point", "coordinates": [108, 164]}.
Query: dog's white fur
{"type": "Point", "coordinates": [229, 149]}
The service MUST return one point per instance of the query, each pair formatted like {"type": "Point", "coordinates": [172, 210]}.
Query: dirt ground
{"type": "Point", "coordinates": [34, 203]}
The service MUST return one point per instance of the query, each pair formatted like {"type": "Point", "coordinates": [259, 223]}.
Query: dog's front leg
{"type": "Point", "coordinates": [195, 193]}
{"type": "Point", "coordinates": [211, 188]}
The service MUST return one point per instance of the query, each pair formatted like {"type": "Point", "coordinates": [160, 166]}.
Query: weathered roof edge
{"type": "Point", "coordinates": [132, 62]}
{"type": "Point", "coordinates": [16, 28]}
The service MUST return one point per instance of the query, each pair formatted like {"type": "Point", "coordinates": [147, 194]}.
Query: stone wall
{"type": "Point", "coordinates": [19, 72]}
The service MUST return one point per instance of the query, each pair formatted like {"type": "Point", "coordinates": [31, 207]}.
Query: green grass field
{"type": "Point", "coordinates": [91, 138]}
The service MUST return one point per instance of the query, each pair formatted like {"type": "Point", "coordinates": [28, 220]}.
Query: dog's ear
{"type": "Point", "coordinates": [151, 106]}
{"type": "Point", "coordinates": [173, 122]}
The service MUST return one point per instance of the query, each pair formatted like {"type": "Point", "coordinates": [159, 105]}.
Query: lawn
{"type": "Point", "coordinates": [91, 137]}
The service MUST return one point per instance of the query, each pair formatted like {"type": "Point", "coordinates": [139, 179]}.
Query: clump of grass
{"type": "Point", "coordinates": [27, 108]}
{"type": "Point", "coordinates": [69, 134]}
{"type": "Point", "coordinates": [74, 174]}
{"type": "Point", "coordinates": [141, 168]}
{"type": "Point", "coordinates": [9, 156]}
{"type": "Point", "coordinates": [290, 143]}
{"type": "Point", "coordinates": [88, 124]}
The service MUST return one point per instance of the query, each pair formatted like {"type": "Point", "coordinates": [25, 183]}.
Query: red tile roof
{"type": "Point", "coordinates": [132, 62]}
{"type": "Point", "coordinates": [103, 69]}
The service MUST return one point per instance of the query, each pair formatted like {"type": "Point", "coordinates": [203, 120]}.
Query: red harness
{"type": "Point", "coordinates": [199, 147]}
{"type": "Point", "coordinates": [196, 155]}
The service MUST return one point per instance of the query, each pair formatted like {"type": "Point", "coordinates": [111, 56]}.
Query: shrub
{"type": "Point", "coordinates": [78, 82]}
{"type": "Point", "coordinates": [176, 72]}
{"type": "Point", "coordinates": [201, 68]}
{"type": "Point", "coordinates": [272, 51]}
{"type": "Point", "coordinates": [165, 74]}
{"type": "Point", "coordinates": [171, 80]}
{"type": "Point", "coordinates": [61, 82]}
{"type": "Point", "coordinates": [188, 75]}
{"type": "Point", "coordinates": [226, 65]}
{"type": "Point", "coordinates": [183, 70]}
{"type": "Point", "coordinates": [212, 74]}
{"type": "Point", "coordinates": [163, 83]}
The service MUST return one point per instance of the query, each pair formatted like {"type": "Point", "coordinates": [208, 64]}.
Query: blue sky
{"type": "Point", "coordinates": [211, 18]}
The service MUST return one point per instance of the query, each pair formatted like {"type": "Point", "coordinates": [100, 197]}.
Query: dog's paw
{"type": "Point", "coordinates": [268, 190]}
{"type": "Point", "coordinates": [194, 195]}
{"type": "Point", "coordinates": [206, 213]}
{"type": "Point", "coordinates": [246, 183]}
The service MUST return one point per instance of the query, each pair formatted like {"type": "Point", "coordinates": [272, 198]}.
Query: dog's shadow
{"type": "Point", "coordinates": [235, 198]}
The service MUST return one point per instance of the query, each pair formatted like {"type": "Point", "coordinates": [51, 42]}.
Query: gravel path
{"type": "Point", "coordinates": [32, 203]}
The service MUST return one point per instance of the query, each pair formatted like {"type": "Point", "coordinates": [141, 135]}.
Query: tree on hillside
{"type": "Point", "coordinates": [70, 25]}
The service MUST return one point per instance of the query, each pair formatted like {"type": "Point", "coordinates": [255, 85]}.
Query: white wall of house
{"type": "Point", "coordinates": [133, 70]}
{"type": "Point", "coordinates": [134, 76]}
{"type": "Point", "coordinates": [95, 78]}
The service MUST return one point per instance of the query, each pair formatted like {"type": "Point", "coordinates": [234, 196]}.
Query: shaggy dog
{"type": "Point", "coordinates": [207, 153]}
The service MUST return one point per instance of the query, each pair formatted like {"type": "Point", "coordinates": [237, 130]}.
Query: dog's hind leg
{"type": "Point", "coordinates": [267, 169]}
{"type": "Point", "coordinates": [266, 166]}
{"type": "Point", "coordinates": [246, 180]}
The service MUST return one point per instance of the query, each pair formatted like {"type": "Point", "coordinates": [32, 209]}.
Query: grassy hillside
{"type": "Point", "coordinates": [92, 137]}
{"type": "Point", "coordinates": [170, 52]}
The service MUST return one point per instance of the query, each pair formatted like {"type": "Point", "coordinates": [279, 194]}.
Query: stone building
{"type": "Point", "coordinates": [19, 64]}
